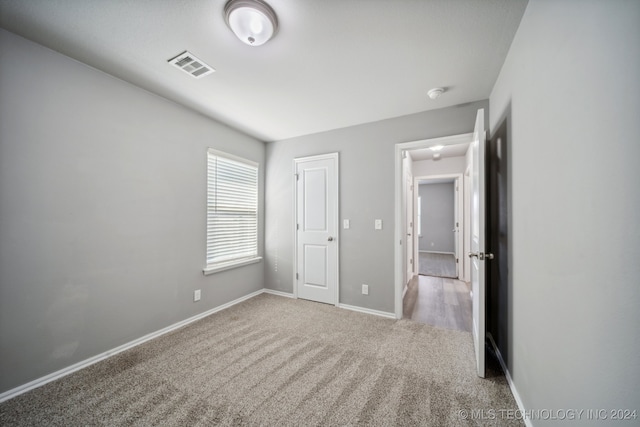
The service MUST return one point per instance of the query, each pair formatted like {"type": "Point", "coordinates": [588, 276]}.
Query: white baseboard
{"type": "Point", "coordinates": [279, 293]}
{"type": "Point", "coordinates": [9, 394]}
{"type": "Point", "coordinates": [97, 358]}
{"type": "Point", "coordinates": [367, 311]}
{"type": "Point", "coordinates": [512, 386]}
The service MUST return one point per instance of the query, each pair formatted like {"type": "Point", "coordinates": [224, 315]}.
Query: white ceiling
{"type": "Point", "coordinates": [456, 150]}
{"type": "Point", "coordinates": [332, 64]}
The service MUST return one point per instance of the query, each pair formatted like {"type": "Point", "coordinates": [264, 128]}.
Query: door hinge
{"type": "Point", "coordinates": [297, 176]}
{"type": "Point", "coordinates": [456, 260]}
{"type": "Point", "coordinates": [297, 277]}
{"type": "Point", "coordinates": [297, 226]}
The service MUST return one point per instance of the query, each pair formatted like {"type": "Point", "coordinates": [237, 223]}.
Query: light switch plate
{"type": "Point", "coordinates": [345, 224]}
{"type": "Point", "coordinates": [378, 224]}
{"type": "Point", "coordinates": [196, 295]}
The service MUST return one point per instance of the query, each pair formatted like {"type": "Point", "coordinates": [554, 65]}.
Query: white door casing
{"type": "Point", "coordinates": [316, 211]}
{"type": "Point", "coordinates": [409, 221]}
{"type": "Point", "coordinates": [400, 207]}
{"type": "Point", "coordinates": [466, 262]}
{"type": "Point", "coordinates": [478, 241]}
{"type": "Point", "coordinates": [457, 221]}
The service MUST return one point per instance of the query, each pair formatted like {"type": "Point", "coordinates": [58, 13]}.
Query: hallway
{"type": "Point", "coordinates": [437, 264]}
{"type": "Point", "coordinates": [438, 301]}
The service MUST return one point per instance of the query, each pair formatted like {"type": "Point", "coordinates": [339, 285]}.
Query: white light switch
{"type": "Point", "coordinates": [345, 224]}
{"type": "Point", "coordinates": [378, 224]}
{"type": "Point", "coordinates": [196, 295]}
{"type": "Point", "coordinates": [365, 289]}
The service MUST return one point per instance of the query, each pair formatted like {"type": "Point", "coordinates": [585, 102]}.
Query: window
{"type": "Point", "coordinates": [232, 211]}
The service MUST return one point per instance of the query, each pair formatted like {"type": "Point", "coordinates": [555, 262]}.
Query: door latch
{"type": "Point", "coordinates": [481, 255]}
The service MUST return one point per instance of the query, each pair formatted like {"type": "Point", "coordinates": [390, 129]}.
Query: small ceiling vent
{"type": "Point", "coordinates": [188, 63]}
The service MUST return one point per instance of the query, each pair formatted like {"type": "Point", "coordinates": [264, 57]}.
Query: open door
{"type": "Point", "coordinates": [477, 253]}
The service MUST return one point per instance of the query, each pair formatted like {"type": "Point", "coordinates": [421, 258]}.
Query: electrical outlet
{"type": "Point", "coordinates": [196, 295]}
{"type": "Point", "coordinates": [365, 289]}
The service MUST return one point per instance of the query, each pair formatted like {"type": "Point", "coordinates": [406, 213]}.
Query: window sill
{"type": "Point", "coordinates": [210, 269]}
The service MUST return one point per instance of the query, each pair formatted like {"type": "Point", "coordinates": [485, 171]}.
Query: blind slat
{"type": "Point", "coordinates": [232, 209]}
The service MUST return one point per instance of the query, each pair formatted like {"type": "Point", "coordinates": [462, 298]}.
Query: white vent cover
{"type": "Point", "coordinates": [188, 63]}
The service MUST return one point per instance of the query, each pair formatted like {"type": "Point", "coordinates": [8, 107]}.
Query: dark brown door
{"type": "Point", "coordinates": [498, 291]}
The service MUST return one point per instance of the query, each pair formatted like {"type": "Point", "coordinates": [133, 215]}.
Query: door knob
{"type": "Point", "coordinates": [330, 239]}
{"type": "Point", "coordinates": [481, 255]}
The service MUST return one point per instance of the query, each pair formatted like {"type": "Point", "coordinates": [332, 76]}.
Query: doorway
{"type": "Point", "coordinates": [401, 223]}
{"type": "Point", "coordinates": [439, 225]}
{"type": "Point", "coordinates": [475, 157]}
{"type": "Point", "coordinates": [437, 297]}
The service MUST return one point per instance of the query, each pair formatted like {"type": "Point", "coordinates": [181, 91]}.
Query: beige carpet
{"type": "Point", "coordinates": [276, 361]}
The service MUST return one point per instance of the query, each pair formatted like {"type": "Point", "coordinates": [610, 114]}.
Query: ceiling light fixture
{"type": "Point", "coordinates": [435, 92]}
{"type": "Point", "coordinates": [252, 21]}
{"type": "Point", "coordinates": [436, 147]}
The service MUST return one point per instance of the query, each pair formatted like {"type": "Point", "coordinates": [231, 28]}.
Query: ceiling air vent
{"type": "Point", "coordinates": [188, 63]}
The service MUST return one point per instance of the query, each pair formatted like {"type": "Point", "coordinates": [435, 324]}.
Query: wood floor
{"type": "Point", "coordinates": [437, 264]}
{"type": "Point", "coordinates": [438, 301]}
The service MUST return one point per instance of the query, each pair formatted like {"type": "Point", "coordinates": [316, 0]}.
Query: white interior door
{"type": "Point", "coordinates": [477, 254]}
{"type": "Point", "coordinates": [456, 224]}
{"type": "Point", "coordinates": [410, 229]}
{"type": "Point", "coordinates": [317, 228]}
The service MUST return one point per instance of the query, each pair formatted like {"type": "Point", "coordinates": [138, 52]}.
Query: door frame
{"type": "Point", "coordinates": [400, 209]}
{"type": "Point", "coordinates": [466, 263]}
{"type": "Point", "coordinates": [410, 261]}
{"type": "Point", "coordinates": [336, 157]}
{"type": "Point", "coordinates": [458, 213]}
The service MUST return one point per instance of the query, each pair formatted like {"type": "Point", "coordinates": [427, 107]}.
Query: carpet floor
{"type": "Point", "coordinates": [277, 361]}
{"type": "Point", "coordinates": [438, 265]}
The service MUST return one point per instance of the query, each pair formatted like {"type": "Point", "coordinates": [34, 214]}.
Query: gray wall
{"type": "Point", "coordinates": [366, 193]}
{"type": "Point", "coordinates": [437, 217]}
{"type": "Point", "coordinates": [102, 212]}
{"type": "Point", "coordinates": [445, 166]}
{"type": "Point", "coordinates": [574, 204]}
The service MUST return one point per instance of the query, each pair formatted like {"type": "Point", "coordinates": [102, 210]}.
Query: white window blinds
{"type": "Point", "coordinates": [232, 209]}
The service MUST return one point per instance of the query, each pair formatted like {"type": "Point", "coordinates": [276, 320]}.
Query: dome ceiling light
{"type": "Point", "coordinates": [435, 92]}
{"type": "Point", "coordinates": [252, 21]}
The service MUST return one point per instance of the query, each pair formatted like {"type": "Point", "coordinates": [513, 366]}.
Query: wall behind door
{"type": "Point", "coordinates": [574, 233]}
{"type": "Point", "coordinates": [437, 217]}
